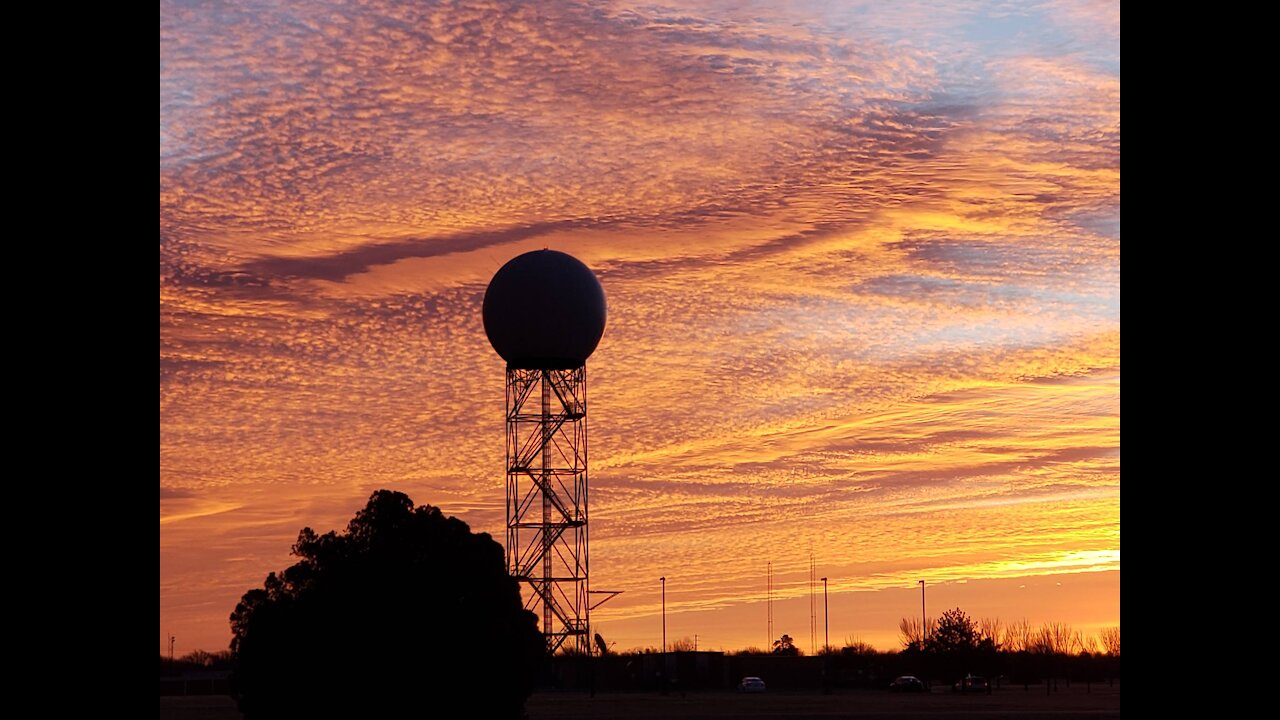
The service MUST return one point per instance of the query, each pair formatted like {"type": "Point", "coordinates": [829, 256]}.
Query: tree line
{"type": "Point", "coordinates": [952, 646]}
{"type": "Point", "coordinates": [406, 603]}
{"type": "Point", "coordinates": [1055, 638]}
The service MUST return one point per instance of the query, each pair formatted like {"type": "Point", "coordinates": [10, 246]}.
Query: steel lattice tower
{"type": "Point", "coordinates": [547, 499]}
{"type": "Point", "coordinates": [544, 313]}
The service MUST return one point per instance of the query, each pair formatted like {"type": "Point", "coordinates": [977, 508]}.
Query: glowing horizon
{"type": "Point", "coordinates": [862, 265]}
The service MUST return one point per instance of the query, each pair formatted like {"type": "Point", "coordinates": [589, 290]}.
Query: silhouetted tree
{"type": "Point", "coordinates": [1018, 636]}
{"type": "Point", "coordinates": [958, 645]}
{"type": "Point", "coordinates": [403, 611]}
{"type": "Point", "coordinates": [955, 631]}
{"type": "Point", "coordinates": [912, 635]}
{"type": "Point", "coordinates": [785, 646]}
{"type": "Point", "coordinates": [206, 659]}
{"type": "Point", "coordinates": [1055, 638]}
{"type": "Point", "coordinates": [647, 650]}
{"type": "Point", "coordinates": [1087, 644]}
{"type": "Point", "coordinates": [991, 630]}
{"type": "Point", "coordinates": [1109, 638]}
{"type": "Point", "coordinates": [855, 646]}
{"type": "Point", "coordinates": [196, 660]}
{"type": "Point", "coordinates": [684, 644]}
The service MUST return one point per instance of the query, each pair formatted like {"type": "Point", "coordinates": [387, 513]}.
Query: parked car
{"type": "Point", "coordinates": [906, 683]}
{"type": "Point", "coordinates": [973, 684]}
{"type": "Point", "coordinates": [751, 684]}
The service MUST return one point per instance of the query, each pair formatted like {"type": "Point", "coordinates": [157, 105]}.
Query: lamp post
{"type": "Point", "coordinates": [923, 623]}
{"type": "Point", "coordinates": [826, 617]}
{"type": "Point", "coordinates": [663, 579]}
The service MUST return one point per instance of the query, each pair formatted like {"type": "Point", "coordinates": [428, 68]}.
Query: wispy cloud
{"type": "Point", "coordinates": [862, 262]}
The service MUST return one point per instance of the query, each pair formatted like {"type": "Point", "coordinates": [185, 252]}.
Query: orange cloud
{"type": "Point", "coordinates": [862, 263]}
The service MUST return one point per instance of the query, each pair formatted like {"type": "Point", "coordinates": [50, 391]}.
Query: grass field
{"type": "Point", "coordinates": [1101, 702]}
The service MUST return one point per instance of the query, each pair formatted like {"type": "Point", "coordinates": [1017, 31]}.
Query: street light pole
{"type": "Point", "coordinates": [923, 623]}
{"type": "Point", "coordinates": [826, 617]}
{"type": "Point", "coordinates": [663, 579]}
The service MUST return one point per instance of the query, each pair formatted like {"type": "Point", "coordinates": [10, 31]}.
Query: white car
{"type": "Point", "coordinates": [751, 684]}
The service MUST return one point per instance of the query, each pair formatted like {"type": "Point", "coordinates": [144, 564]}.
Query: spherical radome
{"type": "Point", "coordinates": [544, 309]}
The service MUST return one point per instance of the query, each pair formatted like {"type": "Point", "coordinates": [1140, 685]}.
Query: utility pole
{"type": "Point", "coordinates": [826, 617]}
{"type": "Point", "coordinates": [769, 605]}
{"type": "Point", "coordinates": [924, 626]}
{"type": "Point", "coordinates": [663, 579]}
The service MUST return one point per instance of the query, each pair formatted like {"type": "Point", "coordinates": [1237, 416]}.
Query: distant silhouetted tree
{"type": "Point", "coordinates": [958, 645]}
{"type": "Point", "coordinates": [785, 646]}
{"type": "Point", "coordinates": [1018, 636]}
{"type": "Point", "coordinates": [684, 644]}
{"type": "Point", "coordinates": [1109, 638]}
{"type": "Point", "coordinates": [196, 660]}
{"type": "Point", "coordinates": [991, 630]}
{"type": "Point", "coordinates": [955, 631]}
{"type": "Point", "coordinates": [403, 612]}
{"type": "Point", "coordinates": [1055, 638]}
{"type": "Point", "coordinates": [1087, 644]}
{"type": "Point", "coordinates": [912, 635]}
{"type": "Point", "coordinates": [647, 650]}
{"type": "Point", "coordinates": [203, 658]}
{"type": "Point", "coordinates": [855, 646]}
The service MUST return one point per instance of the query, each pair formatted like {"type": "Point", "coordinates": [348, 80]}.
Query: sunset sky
{"type": "Point", "coordinates": [862, 262]}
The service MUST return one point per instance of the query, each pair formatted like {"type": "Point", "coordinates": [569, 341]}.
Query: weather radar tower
{"type": "Point", "coordinates": [544, 313]}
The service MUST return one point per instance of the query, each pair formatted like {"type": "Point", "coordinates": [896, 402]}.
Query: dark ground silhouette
{"type": "Point", "coordinates": [1003, 704]}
